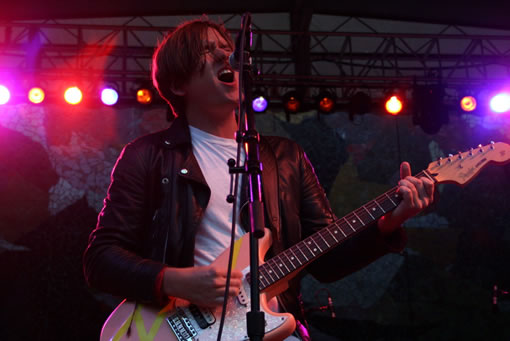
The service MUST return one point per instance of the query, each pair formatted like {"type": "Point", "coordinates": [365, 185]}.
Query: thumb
{"type": "Point", "coordinates": [405, 169]}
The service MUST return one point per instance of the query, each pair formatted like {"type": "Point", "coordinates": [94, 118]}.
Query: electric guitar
{"type": "Point", "coordinates": [182, 321]}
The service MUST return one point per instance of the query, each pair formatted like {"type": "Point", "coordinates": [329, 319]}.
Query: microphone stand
{"type": "Point", "coordinates": [249, 137]}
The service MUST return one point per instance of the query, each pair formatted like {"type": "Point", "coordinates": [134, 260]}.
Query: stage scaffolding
{"type": "Point", "coordinates": [341, 60]}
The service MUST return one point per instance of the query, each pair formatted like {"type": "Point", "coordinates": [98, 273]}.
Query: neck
{"type": "Point", "coordinates": [222, 125]}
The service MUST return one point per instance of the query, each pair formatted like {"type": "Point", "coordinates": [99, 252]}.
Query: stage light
{"type": "Point", "coordinates": [291, 102]}
{"type": "Point", "coordinates": [468, 103]}
{"type": "Point", "coordinates": [109, 96]}
{"type": "Point", "coordinates": [359, 104]}
{"type": "Point", "coordinates": [500, 103]}
{"type": "Point", "coordinates": [429, 111]}
{"type": "Point", "coordinates": [144, 96]}
{"type": "Point", "coordinates": [73, 95]}
{"type": "Point", "coordinates": [259, 103]}
{"type": "Point", "coordinates": [36, 95]}
{"type": "Point", "coordinates": [325, 102]}
{"type": "Point", "coordinates": [5, 95]}
{"type": "Point", "coordinates": [393, 105]}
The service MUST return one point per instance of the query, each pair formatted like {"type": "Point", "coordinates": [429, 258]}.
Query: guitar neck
{"type": "Point", "coordinates": [309, 249]}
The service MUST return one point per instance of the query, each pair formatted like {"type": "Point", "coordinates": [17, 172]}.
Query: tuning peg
{"type": "Point", "coordinates": [492, 145]}
{"type": "Point", "coordinates": [460, 155]}
{"type": "Point", "coordinates": [439, 161]}
{"type": "Point", "coordinates": [481, 149]}
{"type": "Point", "coordinates": [471, 152]}
{"type": "Point", "coordinates": [450, 157]}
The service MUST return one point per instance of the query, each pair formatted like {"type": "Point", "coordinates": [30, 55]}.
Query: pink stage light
{"type": "Point", "coordinates": [109, 96]}
{"type": "Point", "coordinates": [5, 95]}
{"type": "Point", "coordinates": [500, 103]}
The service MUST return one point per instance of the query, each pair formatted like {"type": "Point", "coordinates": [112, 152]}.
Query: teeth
{"type": "Point", "coordinates": [225, 71]}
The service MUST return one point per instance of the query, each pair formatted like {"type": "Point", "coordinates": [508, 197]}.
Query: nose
{"type": "Point", "coordinates": [221, 55]}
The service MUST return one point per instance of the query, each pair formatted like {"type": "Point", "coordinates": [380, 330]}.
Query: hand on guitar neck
{"type": "Point", "coordinates": [417, 194]}
{"type": "Point", "coordinates": [201, 285]}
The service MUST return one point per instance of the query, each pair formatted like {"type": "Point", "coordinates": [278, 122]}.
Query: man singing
{"type": "Point", "coordinates": [165, 218]}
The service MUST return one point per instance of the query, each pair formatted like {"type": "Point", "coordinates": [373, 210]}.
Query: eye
{"type": "Point", "coordinates": [209, 47]}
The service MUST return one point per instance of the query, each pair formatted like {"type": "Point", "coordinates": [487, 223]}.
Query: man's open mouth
{"type": "Point", "coordinates": [226, 75]}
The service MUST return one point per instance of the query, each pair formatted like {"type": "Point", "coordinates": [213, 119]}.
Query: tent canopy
{"type": "Point", "coordinates": [489, 13]}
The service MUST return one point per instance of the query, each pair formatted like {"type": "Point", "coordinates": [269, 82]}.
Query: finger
{"type": "Point", "coordinates": [429, 188]}
{"type": "Point", "coordinates": [407, 195]}
{"type": "Point", "coordinates": [235, 282]}
{"type": "Point", "coordinates": [219, 282]}
{"type": "Point", "coordinates": [418, 184]}
{"type": "Point", "coordinates": [424, 198]}
{"type": "Point", "coordinates": [406, 183]}
{"type": "Point", "coordinates": [405, 170]}
{"type": "Point", "coordinates": [236, 274]}
{"type": "Point", "coordinates": [233, 291]}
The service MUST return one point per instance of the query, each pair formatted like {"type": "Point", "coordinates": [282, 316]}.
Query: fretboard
{"type": "Point", "coordinates": [318, 244]}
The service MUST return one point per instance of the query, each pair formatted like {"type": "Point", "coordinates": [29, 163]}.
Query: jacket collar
{"type": "Point", "coordinates": [178, 133]}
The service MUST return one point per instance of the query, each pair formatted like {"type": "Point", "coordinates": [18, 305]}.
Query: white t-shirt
{"type": "Point", "coordinates": [213, 234]}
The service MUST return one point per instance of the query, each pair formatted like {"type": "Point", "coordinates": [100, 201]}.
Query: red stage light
{"type": "Point", "coordinates": [73, 95]}
{"type": "Point", "coordinates": [144, 96]}
{"type": "Point", "coordinates": [326, 102]}
{"type": "Point", "coordinates": [36, 95]}
{"type": "Point", "coordinates": [468, 103]}
{"type": "Point", "coordinates": [291, 102]}
{"type": "Point", "coordinates": [393, 105]}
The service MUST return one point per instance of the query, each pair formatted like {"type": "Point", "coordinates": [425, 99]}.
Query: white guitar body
{"type": "Point", "coordinates": [181, 321]}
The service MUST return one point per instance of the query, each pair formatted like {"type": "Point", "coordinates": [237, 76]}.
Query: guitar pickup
{"type": "Point", "coordinates": [242, 298]}
{"type": "Point", "coordinates": [181, 326]}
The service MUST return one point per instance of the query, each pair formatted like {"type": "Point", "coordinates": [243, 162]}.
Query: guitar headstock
{"type": "Point", "coordinates": [463, 167]}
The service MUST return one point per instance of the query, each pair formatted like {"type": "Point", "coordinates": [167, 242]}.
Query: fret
{"type": "Point", "coordinates": [332, 235]}
{"type": "Point", "coordinates": [262, 278]}
{"type": "Point", "coordinates": [427, 175]}
{"type": "Point", "coordinates": [349, 225]}
{"type": "Point", "coordinates": [302, 251]}
{"type": "Point", "coordinates": [296, 257]}
{"type": "Point", "coordinates": [318, 247]}
{"type": "Point", "coordinates": [374, 210]}
{"type": "Point", "coordinates": [361, 221]}
{"type": "Point", "coordinates": [390, 199]}
{"type": "Point", "coordinates": [270, 272]}
{"type": "Point", "coordinates": [308, 242]}
{"type": "Point", "coordinates": [369, 212]}
{"type": "Point", "coordinates": [319, 233]}
{"type": "Point", "coordinates": [285, 254]}
{"type": "Point", "coordinates": [340, 228]}
{"type": "Point", "coordinates": [278, 265]}
{"type": "Point", "coordinates": [382, 209]}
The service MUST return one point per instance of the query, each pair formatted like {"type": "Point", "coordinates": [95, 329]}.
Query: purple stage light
{"type": "Point", "coordinates": [109, 96]}
{"type": "Point", "coordinates": [500, 103]}
{"type": "Point", "coordinates": [259, 104]}
{"type": "Point", "coordinates": [5, 95]}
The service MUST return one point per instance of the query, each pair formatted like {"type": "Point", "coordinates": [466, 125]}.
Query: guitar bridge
{"type": "Point", "coordinates": [181, 325]}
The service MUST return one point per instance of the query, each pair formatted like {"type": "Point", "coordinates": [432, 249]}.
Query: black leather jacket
{"type": "Point", "coordinates": [157, 198]}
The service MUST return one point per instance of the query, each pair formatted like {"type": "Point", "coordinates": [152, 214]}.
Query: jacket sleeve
{"type": "Point", "coordinates": [112, 261]}
{"type": "Point", "coordinates": [353, 254]}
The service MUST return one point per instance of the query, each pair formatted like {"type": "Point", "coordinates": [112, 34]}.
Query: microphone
{"type": "Point", "coordinates": [235, 57]}
{"type": "Point", "coordinates": [331, 308]}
